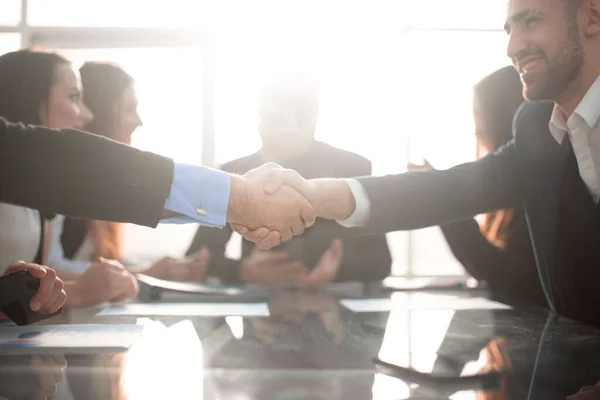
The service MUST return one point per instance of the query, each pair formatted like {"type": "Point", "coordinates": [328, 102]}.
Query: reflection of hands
{"type": "Point", "coordinates": [281, 213]}
{"type": "Point", "coordinates": [104, 280]}
{"type": "Point", "coordinates": [181, 269]}
{"type": "Point", "coordinates": [49, 369]}
{"type": "Point", "coordinates": [327, 268]}
{"type": "Point", "coordinates": [587, 393]}
{"type": "Point", "coordinates": [290, 306]}
{"type": "Point", "coordinates": [270, 268]}
{"type": "Point", "coordinates": [50, 296]}
{"type": "Point", "coordinates": [30, 377]}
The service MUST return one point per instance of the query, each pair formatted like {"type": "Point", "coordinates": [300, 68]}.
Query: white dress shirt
{"type": "Point", "coordinates": [583, 128]}
{"type": "Point", "coordinates": [20, 234]}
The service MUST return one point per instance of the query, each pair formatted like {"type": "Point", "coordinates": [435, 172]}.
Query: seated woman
{"type": "Point", "coordinates": [111, 97]}
{"type": "Point", "coordinates": [42, 88]}
{"type": "Point", "coordinates": [498, 250]}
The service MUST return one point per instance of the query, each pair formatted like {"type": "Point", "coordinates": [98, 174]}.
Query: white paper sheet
{"type": "Point", "coordinates": [69, 338]}
{"type": "Point", "coordinates": [188, 309]}
{"type": "Point", "coordinates": [421, 301]}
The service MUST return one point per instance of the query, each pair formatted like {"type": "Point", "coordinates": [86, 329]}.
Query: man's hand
{"type": "Point", "coordinates": [326, 269]}
{"type": "Point", "coordinates": [331, 199]}
{"type": "Point", "coordinates": [283, 211]}
{"type": "Point", "coordinates": [104, 280]}
{"type": "Point", "coordinates": [587, 393]}
{"type": "Point", "coordinates": [418, 167]}
{"type": "Point", "coordinates": [50, 296]}
{"type": "Point", "coordinates": [270, 268]}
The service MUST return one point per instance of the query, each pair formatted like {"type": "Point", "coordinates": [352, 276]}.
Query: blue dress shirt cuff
{"type": "Point", "coordinates": [199, 194]}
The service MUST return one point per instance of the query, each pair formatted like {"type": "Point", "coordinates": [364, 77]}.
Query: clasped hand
{"type": "Point", "coordinates": [270, 204]}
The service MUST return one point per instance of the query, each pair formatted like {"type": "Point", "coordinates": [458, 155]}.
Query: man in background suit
{"type": "Point", "coordinates": [551, 168]}
{"type": "Point", "coordinates": [288, 112]}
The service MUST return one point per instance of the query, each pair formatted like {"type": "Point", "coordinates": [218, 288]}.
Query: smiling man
{"type": "Point", "coordinates": [551, 168]}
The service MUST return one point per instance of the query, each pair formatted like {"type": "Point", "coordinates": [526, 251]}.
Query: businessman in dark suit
{"type": "Point", "coordinates": [551, 168]}
{"type": "Point", "coordinates": [78, 174]}
{"type": "Point", "coordinates": [288, 112]}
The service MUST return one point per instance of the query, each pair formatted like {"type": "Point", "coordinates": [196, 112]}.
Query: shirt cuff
{"type": "Point", "coordinates": [362, 209]}
{"type": "Point", "coordinates": [199, 194]}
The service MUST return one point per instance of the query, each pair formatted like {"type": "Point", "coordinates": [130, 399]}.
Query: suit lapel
{"type": "Point", "coordinates": [543, 208]}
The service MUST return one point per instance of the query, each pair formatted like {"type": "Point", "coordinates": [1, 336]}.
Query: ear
{"type": "Point", "coordinates": [591, 10]}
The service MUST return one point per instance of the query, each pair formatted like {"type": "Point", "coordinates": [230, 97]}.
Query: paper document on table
{"type": "Point", "coordinates": [422, 301]}
{"type": "Point", "coordinates": [68, 339]}
{"type": "Point", "coordinates": [189, 309]}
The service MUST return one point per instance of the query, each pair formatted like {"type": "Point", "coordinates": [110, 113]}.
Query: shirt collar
{"type": "Point", "coordinates": [588, 110]}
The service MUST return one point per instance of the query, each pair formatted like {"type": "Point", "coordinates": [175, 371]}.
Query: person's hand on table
{"type": "Point", "coordinates": [587, 393]}
{"type": "Point", "coordinates": [418, 167]}
{"type": "Point", "coordinates": [50, 296]}
{"type": "Point", "coordinates": [270, 268]}
{"type": "Point", "coordinates": [181, 269]}
{"type": "Point", "coordinates": [326, 269]}
{"type": "Point", "coordinates": [104, 280]}
{"type": "Point", "coordinates": [267, 217]}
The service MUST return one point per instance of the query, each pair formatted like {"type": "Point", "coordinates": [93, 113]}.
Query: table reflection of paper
{"type": "Point", "coordinates": [189, 309]}
{"type": "Point", "coordinates": [68, 338]}
{"type": "Point", "coordinates": [422, 301]}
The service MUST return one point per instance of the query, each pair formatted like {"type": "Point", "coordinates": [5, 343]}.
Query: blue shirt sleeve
{"type": "Point", "coordinates": [199, 194]}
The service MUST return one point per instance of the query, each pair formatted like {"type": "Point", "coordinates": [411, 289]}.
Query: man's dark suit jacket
{"type": "Point", "coordinates": [82, 175]}
{"type": "Point", "coordinates": [366, 257]}
{"type": "Point", "coordinates": [526, 172]}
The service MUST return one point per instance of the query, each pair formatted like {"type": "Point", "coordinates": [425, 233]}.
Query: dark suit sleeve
{"type": "Point", "coordinates": [81, 175]}
{"type": "Point", "coordinates": [428, 198]}
{"type": "Point", "coordinates": [366, 258]}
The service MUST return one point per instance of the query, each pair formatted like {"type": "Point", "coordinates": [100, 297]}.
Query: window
{"type": "Point", "coordinates": [115, 13]}
{"type": "Point", "coordinates": [10, 12]}
{"type": "Point", "coordinates": [169, 88]}
{"type": "Point", "coordinates": [9, 42]}
{"type": "Point", "coordinates": [457, 14]}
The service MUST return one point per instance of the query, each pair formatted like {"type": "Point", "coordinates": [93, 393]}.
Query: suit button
{"type": "Point", "coordinates": [201, 211]}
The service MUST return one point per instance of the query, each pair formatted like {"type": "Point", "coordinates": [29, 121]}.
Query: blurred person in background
{"type": "Point", "coordinates": [111, 96]}
{"type": "Point", "coordinates": [42, 88]}
{"type": "Point", "coordinates": [288, 112]}
{"type": "Point", "coordinates": [497, 251]}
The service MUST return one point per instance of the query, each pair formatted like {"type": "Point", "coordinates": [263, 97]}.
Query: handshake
{"type": "Point", "coordinates": [271, 204]}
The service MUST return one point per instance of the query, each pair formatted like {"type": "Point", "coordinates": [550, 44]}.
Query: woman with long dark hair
{"type": "Point", "coordinates": [497, 251]}
{"type": "Point", "coordinates": [42, 88]}
{"type": "Point", "coordinates": [110, 94]}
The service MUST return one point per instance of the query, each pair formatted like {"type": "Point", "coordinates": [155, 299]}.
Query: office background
{"type": "Point", "coordinates": [392, 90]}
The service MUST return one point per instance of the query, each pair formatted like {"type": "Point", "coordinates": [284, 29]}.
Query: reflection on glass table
{"type": "Point", "coordinates": [312, 347]}
{"type": "Point", "coordinates": [31, 376]}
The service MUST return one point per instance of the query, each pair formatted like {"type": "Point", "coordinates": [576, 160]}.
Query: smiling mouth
{"type": "Point", "coordinates": [528, 65]}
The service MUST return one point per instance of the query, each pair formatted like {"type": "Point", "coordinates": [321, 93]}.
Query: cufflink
{"type": "Point", "coordinates": [201, 211]}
